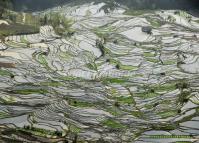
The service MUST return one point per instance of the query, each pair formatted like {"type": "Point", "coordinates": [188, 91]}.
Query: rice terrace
{"type": "Point", "coordinates": [99, 71]}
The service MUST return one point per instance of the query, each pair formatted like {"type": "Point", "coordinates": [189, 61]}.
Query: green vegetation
{"type": "Point", "coordinates": [74, 129]}
{"type": "Point", "coordinates": [42, 60]}
{"type": "Point", "coordinates": [79, 104]}
{"type": "Point", "coordinates": [16, 29]}
{"type": "Point", "coordinates": [170, 62]}
{"type": "Point", "coordinates": [19, 23]}
{"type": "Point", "coordinates": [169, 113]}
{"type": "Point", "coordinates": [114, 80]}
{"type": "Point", "coordinates": [92, 66]}
{"type": "Point", "coordinates": [5, 73]}
{"type": "Point", "coordinates": [119, 65]}
{"type": "Point", "coordinates": [3, 115]}
{"type": "Point", "coordinates": [153, 60]}
{"type": "Point", "coordinates": [30, 91]}
{"type": "Point", "coordinates": [4, 4]}
{"type": "Point", "coordinates": [65, 55]}
{"type": "Point", "coordinates": [127, 67]}
{"type": "Point", "coordinates": [127, 100]}
{"type": "Point", "coordinates": [148, 94]}
{"type": "Point", "coordinates": [182, 84]}
{"type": "Point", "coordinates": [113, 91]}
{"type": "Point", "coordinates": [60, 23]}
{"type": "Point", "coordinates": [169, 136]}
{"type": "Point", "coordinates": [155, 101]}
{"type": "Point", "coordinates": [166, 127]}
{"type": "Point", "coordinates": [171, 19]}
{"type": "Point", "coordinates": [197, 21]}
{"type": "Point", "coordinates": [113, 124]}
{"type": "Point", "coordinates": [138, 114]}
{"type": "Point", "coordinates": [136, 12]}
{"type": "Point", "coordinates": [154, 22]}
{"type": "Point", "coordinates": [164, 87]}
{"type": "Point", "coordinates": [7, 100]}
{"type": "Point", "coordinates": [183, 97]}
{"type": "Point", "coordinates": [104, 31]}
{"type": "Point", "coordinates": [26, 23]}
{"type": "Point", "coordinates": [148, 54]}
{"type": "Point", "coordinates": [51, 83]}
{"type": "Point", "coordinates": [110, 6]}
{"type": "Point", "coordinates": [21, 18]}
{"type": "Point", "coordinates": [183, 14]}
{"type": "Point", "coordinates": [23, 40]}
{"type": "Point", "coordinates": [15, 44]}
{"type": "Point", "coordinates": [39, 131]}
{"type": "Point", "coordinates": [113, 111]}
{"type": "Point", "coordinates": [99, 45]}
{"type": "Point", "coordinates": [194, 100]}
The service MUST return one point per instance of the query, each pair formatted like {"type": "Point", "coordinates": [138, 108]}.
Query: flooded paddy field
{"type": "Point", "coordinates": [117, 76]}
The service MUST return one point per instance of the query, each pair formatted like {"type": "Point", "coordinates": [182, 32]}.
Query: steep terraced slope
{"type": "Point", "coordinates": [118, 78]}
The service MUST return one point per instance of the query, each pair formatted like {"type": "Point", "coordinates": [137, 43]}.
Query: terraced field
{"type": "Point", "coordinates": [117, 78]}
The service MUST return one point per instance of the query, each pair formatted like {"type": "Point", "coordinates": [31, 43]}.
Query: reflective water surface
{"type": "Point", "coordinates": [92, 72]}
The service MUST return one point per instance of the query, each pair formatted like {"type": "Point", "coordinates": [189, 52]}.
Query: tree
{"type": "Point", "coordinates": [45, 19]}
{"type": "Point", "coordinates": [13, 18]}
{"type": "Point", "coordinates": [1, 12]}
{"type": "Point", "coordinates": [5, 4]}
{"type": "Point", "coordinates": [55, 19]}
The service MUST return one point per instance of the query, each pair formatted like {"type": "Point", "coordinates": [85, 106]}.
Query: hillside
{"type": "Point", "coordinates": [31, 5]}
{"type": "Point", "coordinates": [100, 73]}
